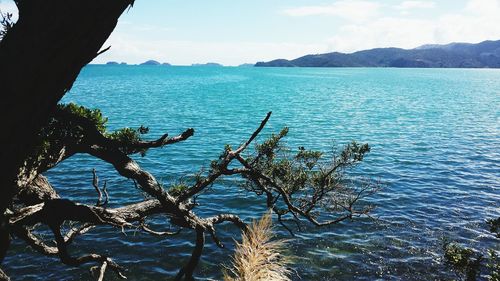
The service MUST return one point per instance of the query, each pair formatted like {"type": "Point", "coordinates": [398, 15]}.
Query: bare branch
{"type": "Point", "coordinates": [95, 183]}
{"type": "Point", "coordinates": [136, 147]}
{"type": "Point", "coordinates": [102, 271]}
{"type": "Point", "coordinates": [103, 51]}
{"type": "Point", "coordinates": [228, 218]}
{"type": "Point", "coordinates": [254, 135]}
{"type": "Point", "coordinates": [66, 258]}
{"type": "Point", "coordinates": [106, 195]}
{"type": "Point", "coordinates": [144, 227]}
{"type": "Point", "coordinates": [164, 140]}
{"type": "Point", "coordinates": [188, 269]}
{"type": "Point", "coordinates": [3, 276]}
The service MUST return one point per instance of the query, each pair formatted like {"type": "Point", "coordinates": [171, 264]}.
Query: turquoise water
{"type": "Point", "coordinates": [435, 137]}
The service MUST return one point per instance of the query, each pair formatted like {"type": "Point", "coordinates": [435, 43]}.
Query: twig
{"type": "Point", "coordinates": [102, 271]}
{"type": "Point", "coordinates": [106, 195]}
{"type": "Point", "coordinates": [103, 51]}
{"type": "Point", "coordinates": [158, 233]}
{"type": "Point", "coordinates": [3, 276]}
{"type": "Point", "coordinates": [95, 183]}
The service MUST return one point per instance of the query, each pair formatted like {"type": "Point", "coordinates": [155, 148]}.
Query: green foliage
{"type": "Point", "coordinates": [304, 170]}
{"type": "Point", "coordinates": [494, 226]}
{"type": "Point", "coordinates": [272, 145]}
{"type": "Point", "coordinates": [308, 157]}
{"type": "Point", "coordinates": [354, 152]}
{"type": "Point", "coordinates": [458, 256]}
{"type": "Point", "coordinates": [71, 127]}
{"type": "Point", "coordinates": [92, 115]}
{"type": "Point", "coordinates": [128, 136]}
{"type": "Point", "coordinates": [124, 137]}
{"type": "Point", "coordinates": [468, 263]}
{"type": "Point", "coordinates": [177, 189]}
{"type": "Point", "coordinates": [58, 133]}
{"type": "Point", "coordinates": [493, 266]}
{"type": "Point", "coordinates": [314, 183]}
{"type": "Point", "coordinates": [464, 260]}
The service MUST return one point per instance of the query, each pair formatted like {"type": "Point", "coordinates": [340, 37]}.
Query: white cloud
{"type": "Point", "coordinates": [384, 32]}
{"type": "Point", "coordinates": [483, 7]}
{"type": "Point", "coordinates": [410, 5]}
{"type": "Point", "coordinates": [367, 24]}
{"type": "Point", "coordinates": [350, 10]}
{"type": "Point", "coordinates": [128, 49]}
{"type": "Point", "coordinates": [139, 46]}
{"type": "Point", "coordinates": [477, 21]}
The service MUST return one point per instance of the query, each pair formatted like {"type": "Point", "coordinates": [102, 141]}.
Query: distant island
{"type": "Point", "coordinates": [149, 62]}
{"type": "Point", "coordinates": [115, 63]}
{"type": "Point", "coordinates": [157, 63]}
{"type": "Point", "coordinates": [212, 64]}
{"type": "Point", "coordinates": [153, 62]}
{"type": "Point", "coordinates": [455, 55]}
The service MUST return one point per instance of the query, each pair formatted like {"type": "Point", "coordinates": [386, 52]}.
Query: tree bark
{"type": "Point", "coordinates": [41, 56]}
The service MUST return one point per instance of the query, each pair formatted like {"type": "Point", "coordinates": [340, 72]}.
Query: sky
{"type": "Point", "coordinates": [234, 32]}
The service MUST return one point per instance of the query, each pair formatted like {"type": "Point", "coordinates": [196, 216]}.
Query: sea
{"type": "Point", "coordinates": [435, 150]}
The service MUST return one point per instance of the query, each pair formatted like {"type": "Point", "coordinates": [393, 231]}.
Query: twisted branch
{"type": "Point", "coordinates": [176, 206]}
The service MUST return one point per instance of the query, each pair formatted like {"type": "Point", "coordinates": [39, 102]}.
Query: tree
{"type": "Point", "coordinates": [297, 185]}
{"type": "Point", "coordinates": [41, 56]}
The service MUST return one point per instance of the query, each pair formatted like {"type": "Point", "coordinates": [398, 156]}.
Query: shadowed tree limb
{"type": "Point", "coordinates": [35, 242]}
{"type": "Point", "coordinates": [60, 210]}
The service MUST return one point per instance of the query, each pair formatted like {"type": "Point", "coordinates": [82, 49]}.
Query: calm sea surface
{"type": "Point", "coordinates": [435, 137]}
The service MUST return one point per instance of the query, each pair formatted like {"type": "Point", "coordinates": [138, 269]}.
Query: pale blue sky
{"type": "Point", "coordinates": [236, 31]}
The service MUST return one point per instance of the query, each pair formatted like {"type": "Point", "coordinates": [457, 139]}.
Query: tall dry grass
{"type": "Point", "coordinates": [257, 257]}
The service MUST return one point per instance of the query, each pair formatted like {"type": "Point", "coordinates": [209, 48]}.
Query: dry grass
{"type": "Point", "coordinates": [257, 258]}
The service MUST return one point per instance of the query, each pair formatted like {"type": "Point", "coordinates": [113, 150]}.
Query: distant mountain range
{"type": "Point", "coordinates": [455, 55]}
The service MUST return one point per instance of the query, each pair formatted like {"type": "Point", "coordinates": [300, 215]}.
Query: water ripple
{"type": "Point", "coordinates": [435, 137]}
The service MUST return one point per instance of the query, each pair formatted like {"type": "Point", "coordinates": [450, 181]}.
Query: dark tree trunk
{"type": "Point", "coordinates": [40, 58]}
